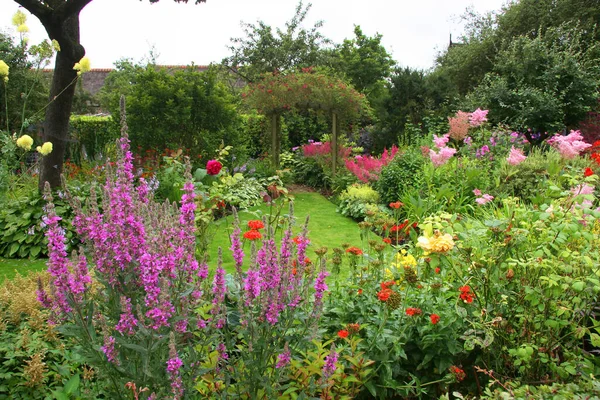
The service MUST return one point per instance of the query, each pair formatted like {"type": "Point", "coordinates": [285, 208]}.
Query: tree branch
{"type": "Point", "coordinates": [40, 10]}
{"type": "Point", "coordinates": [71, 7]}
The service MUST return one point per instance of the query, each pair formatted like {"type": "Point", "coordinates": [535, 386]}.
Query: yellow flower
{"type": "Point", "coordinates": [22, 28]}
{"type": "Point", "coordinates": [45, 149]}
{"type": "Point", "coordinates": [25, 142]}
{"type": "Point", "coordinates": [437, 243]}
{"type": "Point", "coordinates": [82, 66]}
{"type": "Point", "coordinates": [4, 69]}
{"type": "Point", "coordinates": [19, 18]}
{"type": "Point", "coordinates": [405, 260]}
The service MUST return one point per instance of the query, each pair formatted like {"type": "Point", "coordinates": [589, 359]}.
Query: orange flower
{"type": "Point", "coordinates": [359, 291]}
{"type": "Point", "coordinates": [354, 250]}
{"type": "Point", "coordinates": [396, 205]}
{"type": "Point", "coordinates": [434, 318]}
{"type": "Point", "coordinates": [384, 294]}
{"type": "Point", "coordinates": [294, 271]}
{"type": "Point", "coordinates": [256, 224]}
{"type": "Point", "coordinates": [387, 240]}
{"type": "Point", "coordinates": [252, 235]}
{"type": "Point", "coordinates": [343, 333]}
{"type": "Point", "coordinates": [353, 328]}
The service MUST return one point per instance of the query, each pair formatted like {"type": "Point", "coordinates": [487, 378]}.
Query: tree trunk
{"type": "Point", "coordinates": [62, 91]}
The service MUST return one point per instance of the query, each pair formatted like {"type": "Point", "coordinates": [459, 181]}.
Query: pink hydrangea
{"type": "Point", "coordinates": [478, 117]}
{"type": "Point", "coordinates": [516, 156]}
{"type": "Point", "coordinates": [441, 157]}
{"type": "Point", "coordinates": [569, 146]}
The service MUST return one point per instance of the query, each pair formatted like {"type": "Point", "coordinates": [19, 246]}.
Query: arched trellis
{"type": "Point", "coordinates": [279, 93]}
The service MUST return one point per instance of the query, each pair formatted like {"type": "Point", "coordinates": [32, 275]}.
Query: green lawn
{"type": "Point", "coordinates": [10, 267]}
{"type": "Point", "coordinates": [326, 228]}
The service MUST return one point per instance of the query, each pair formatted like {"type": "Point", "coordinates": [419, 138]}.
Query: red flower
{"type": "Point", "coordinates": [213, 167]}
{"type": "Point", "coordinates": [386, 285]}
{"type": "Point", "coordinates": [387, 240]}
{"type": "Point", "coordinates": [434, 318]}
{"type": "Point", "coordinates": [396, 205]}
{"type": "Point", "coordinates": [256, 224]}
{"type": "Point", "coordinates": [252, 235]}
{"type": "Point", "coordinates": [412, 311]}
{"type": "Point", "coordinates": [297, 239]}
{"type": "Point", "coordinates": [588, 172]}
{"type": "Point", "coordinates": [343, 333]}
{"type": "Point", "coordinates": [384, 294]}
{"type": "Point", "coordinates": [437, 270]}
{"type": "Point", "coordinates": [465, 294]}
{"type": "Point", "coordinates": [353, 328]}
{"type": "Point", "coordinates": [359, 291]}
{"type": "Point", "coordinates": [354, 250]}
{"type": "Point", "coordinates": [294, 271]}
{"type": "Point", "coordinates": [458, 373]}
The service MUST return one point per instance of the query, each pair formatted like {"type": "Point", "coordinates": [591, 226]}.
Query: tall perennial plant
{"type": "Point", "coordinates": [147, 316]}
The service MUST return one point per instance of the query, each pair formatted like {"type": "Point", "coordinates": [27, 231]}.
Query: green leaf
{"type": "Point", "coordinates": [578, 286]}
{"type": "Point", "coordinates": [72, 385]}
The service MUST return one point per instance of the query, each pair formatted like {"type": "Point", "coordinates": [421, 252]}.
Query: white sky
{"type": "Point", "coordinates": [413, 30]}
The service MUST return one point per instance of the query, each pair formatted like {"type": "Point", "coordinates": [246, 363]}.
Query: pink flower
{"type": "Point", "coordinates": [478, 117]}
{"type": "Point", "coordinates": [459, 126]}
{"type": "Point", "coordinates": [477, 192]}
{"type": "Point", "coordinates": [213, 167]}
{"type": "Point", "coordinates": [441, 157]}
{"type": "Point", "coordinates": [484, 199]}
{"type": "Point", "coordinates": [516, 156]}
{"type": "Point", "coordinates": [441, 141]}
{"type": "Point", "coordinates": [582, 189]}
{"type": "Point", "coordinates": [569, 146]}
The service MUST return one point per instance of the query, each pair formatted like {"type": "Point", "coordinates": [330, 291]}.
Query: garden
{"type": "Point", "coordinates": [322, 231]}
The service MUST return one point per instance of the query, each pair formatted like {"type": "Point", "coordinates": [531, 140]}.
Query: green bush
{"type": "Point", "coordinates": [357, 200]}
{"type": "Point", "coordinates": [402, 174]}
{"type": "Point", "coordinates": [91, 135]}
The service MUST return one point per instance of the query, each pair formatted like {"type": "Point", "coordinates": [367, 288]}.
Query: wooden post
{"type": "Point", "coordinates": [275, 127]}
{"type": "Point", "coordinates": [334, 146]}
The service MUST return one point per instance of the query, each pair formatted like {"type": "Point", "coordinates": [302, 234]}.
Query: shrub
{"type": "Point", "coordinates": [91, 134]}
{"type": "Point", "coordinates": [402, 174]}
{"type": "Point", "coordinates": [357, 200]}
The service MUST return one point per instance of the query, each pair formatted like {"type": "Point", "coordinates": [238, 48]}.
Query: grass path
{"type": "Point", "coordinates": [326, 228]}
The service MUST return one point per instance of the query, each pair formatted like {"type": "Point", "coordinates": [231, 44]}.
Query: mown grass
{"type": "Point", "coordinates": [326, 227]}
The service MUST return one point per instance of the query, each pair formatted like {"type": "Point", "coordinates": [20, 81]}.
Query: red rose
{"type": "Point", "coordinates": [213, 167]}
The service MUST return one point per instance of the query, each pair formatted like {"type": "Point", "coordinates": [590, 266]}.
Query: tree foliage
{"type": "Point", "coordinates": [264, 49]}
{"type": "Point", "coordinates": [185, 109]}
{"type": "Point", "coordinates": [546, 83]}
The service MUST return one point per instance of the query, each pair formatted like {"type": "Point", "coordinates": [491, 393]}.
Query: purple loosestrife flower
{"type": "Point", "coordinates": [127, 321]}
{"type": "Point", "coordinates": [330, 361]}
{"type": "Point", "coordinates": [222, 351]}
{"type": "Point", "coordinates": [236, 245]}
{"type": "Point", "coordinates": [252, 285]}
{"type": "Point", "coordinates": [174, 365]}
{"type": "Point", "coordinates": [283, 359]}
{"type": "Point", "coordinates": [109, 350]}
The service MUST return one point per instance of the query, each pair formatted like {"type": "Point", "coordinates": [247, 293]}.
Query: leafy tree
{"type": "Point", "coordinates": [545, 84]}
{"type": "Point", "coordinates": [364, 61]}
{"type": "Point", "coordinates": [264, 49]}
{"type": "Point", "coordinates": [185, 109]}
{"type": "Point", "coordinates": [60, 18]}
{"type": "Point", "coordinates": [27, 90]}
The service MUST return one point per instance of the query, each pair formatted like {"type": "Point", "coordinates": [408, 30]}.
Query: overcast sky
{"type": "Point", "coordinates": [413, 30]}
